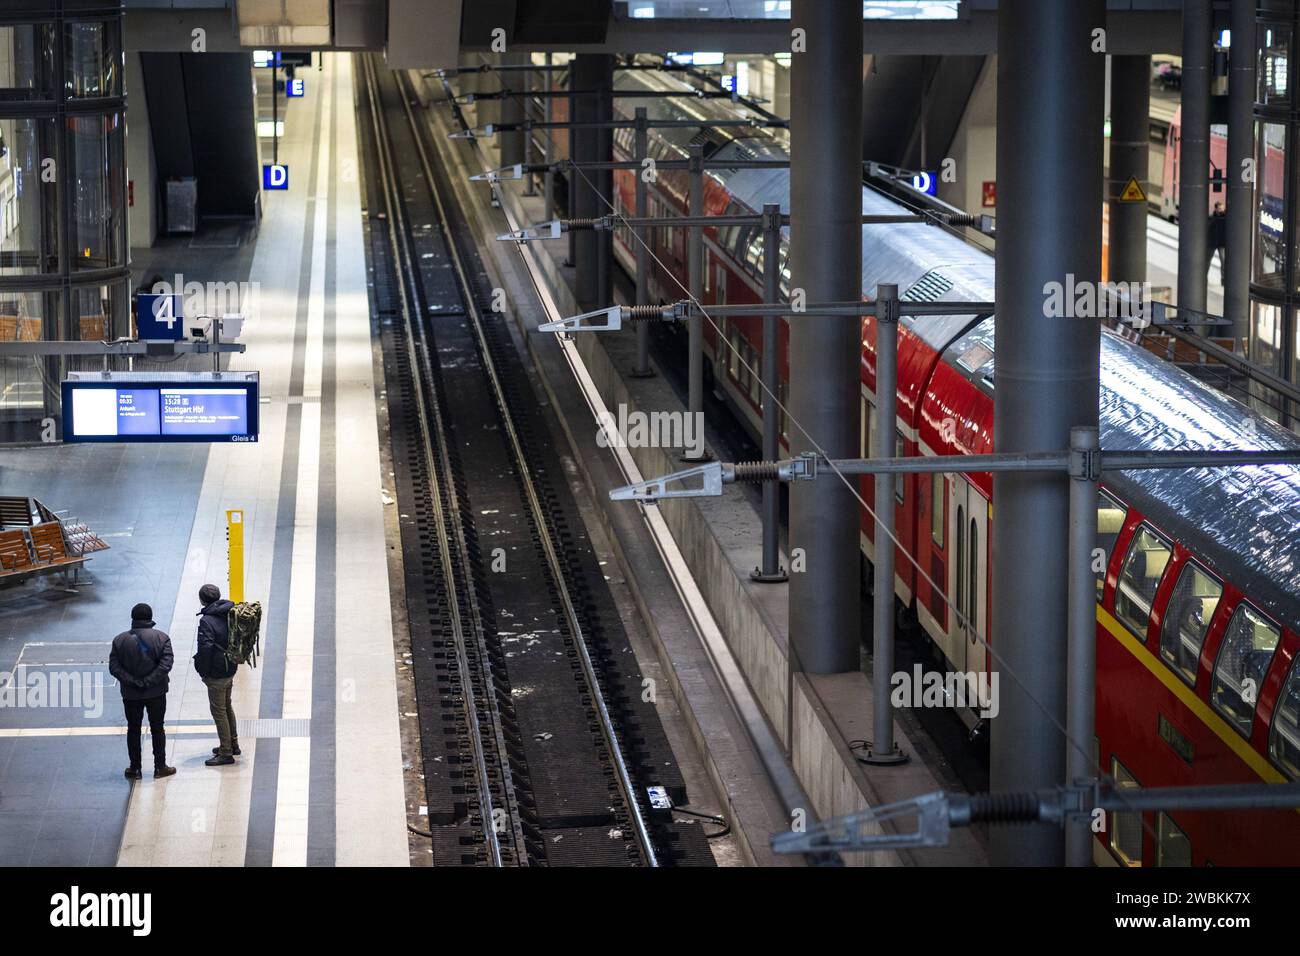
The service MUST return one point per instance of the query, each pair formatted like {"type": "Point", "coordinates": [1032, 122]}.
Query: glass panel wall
{"type": "Point", "coordinates": [63, 270]}
{"type": "Point", "coordinates": [1275, 280]}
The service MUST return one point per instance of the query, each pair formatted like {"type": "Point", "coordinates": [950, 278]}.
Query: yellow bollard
{"type": "Point", "coordinates": [235, 554]}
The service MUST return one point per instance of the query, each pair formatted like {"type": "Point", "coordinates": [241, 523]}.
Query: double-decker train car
{"type": "Point", "coordinates": [1198, 605]}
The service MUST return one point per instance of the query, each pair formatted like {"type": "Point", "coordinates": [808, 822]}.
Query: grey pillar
{"type": "Point", "coordinates": [1081, 703]}
{"type": "Point", "coordinates": [1130, 136]}
{"type": "Point", "coordinates": [489, 111]}
{"type": "Point", "coordinates": [1049, 131]}
{"type": "Point", "coordinates": [549, 150]}
{"type": "Point", "coordinates": [825, 354]}
{"type": "Point", "coordinates": [512, 109]}
{"type": "Point", "coordinates": [883, 749]}
{"type": "Point", "coordinates": [695, 283]}
{"type": "Point", "coordinates": [641, 245]}
{"type": "Point", "coordinates": [1241, 147]}
{"type": "Point", "coordinates": [770, 570]}
{"type": "Point", "coordinates": [1194, 158]}
{"type": "Point", "coordinates": [591, 248]}
{"type": "Point", "coordinates": [469, 82]}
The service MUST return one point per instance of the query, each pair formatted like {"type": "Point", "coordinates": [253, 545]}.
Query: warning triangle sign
{"type": "Point", "coordinates": [1132, 192]}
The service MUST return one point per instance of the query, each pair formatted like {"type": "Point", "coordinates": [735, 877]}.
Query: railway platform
{"type": "Point", "coordinates": [320, 777]}
{"type": "Point", "coordinates": [807, 728]}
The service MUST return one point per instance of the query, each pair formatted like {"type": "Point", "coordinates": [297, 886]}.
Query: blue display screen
{"type": "Point", "coordinates": [159, 411]}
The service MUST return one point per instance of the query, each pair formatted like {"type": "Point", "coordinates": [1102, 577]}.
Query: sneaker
{"type": "Point", "coordinates": [163, 771]}
{"type": "Point", "coordinates": [219, 761]}
{"type": "Point", "coordinates": [133, 773]}
{"type": "Point", "coordinates": [235, 751]}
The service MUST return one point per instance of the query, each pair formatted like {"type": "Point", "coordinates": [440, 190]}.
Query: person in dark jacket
{"type": "Point", "coordinates": [1218, 236]}
{"type": "Point", "coordinates": [217, 671]}
{"type": "Point", "coordinates": [140, 661]}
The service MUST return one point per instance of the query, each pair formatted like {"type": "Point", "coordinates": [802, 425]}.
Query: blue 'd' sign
{"type": "Point", "coordinates": [158, 318]}
{"type": "Point", "coordinates": [275, 176]}
{"type": "Point", "coordinates": [925, 182]}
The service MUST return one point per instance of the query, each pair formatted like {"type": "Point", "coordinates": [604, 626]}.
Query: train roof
{"type": "Point", "coordinates": [1244, 523]}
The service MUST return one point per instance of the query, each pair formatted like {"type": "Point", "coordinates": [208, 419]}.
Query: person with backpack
{"type": "Point", "coordinates": [140, 661]}
{"type": "Point", "coordinates": [215, 666]}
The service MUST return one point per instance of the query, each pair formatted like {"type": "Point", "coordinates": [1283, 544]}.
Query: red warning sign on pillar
{"type": "Point", "coordinates": [990, 195]}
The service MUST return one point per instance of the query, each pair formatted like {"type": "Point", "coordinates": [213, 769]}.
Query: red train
{"type": "Point", "coordinates": [1198, 609]}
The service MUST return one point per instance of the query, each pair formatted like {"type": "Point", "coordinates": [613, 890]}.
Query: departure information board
{"type": "Point", "coordinates": [199, 409]}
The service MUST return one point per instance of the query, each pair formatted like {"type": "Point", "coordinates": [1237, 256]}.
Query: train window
{"type": "Point", "coordinates": [1243, 661]}
{"type": "Point", "coordinates": [937, 501]}
{"type": "Point", "coordinates": [754, 255]}
{"type": "Point", "coordinates": [1125, 828]}
{"type": "Point", "coordinates": [1139, 578]}
{"type": "Point", "coordinates": [1284, 738]}
{"type": "Point", "coordinates": [1110, 521]}
{"type": "Point", "coordinates": [1172, 846]}
{"type": "Point", "coordinates": [755, 379]}
{"type": "Point", "coordinates": [959, 551]}
{"type": "Point", "coordinates": [1187, 619]}
{"type": "Point", "coordinates": [900, 479]}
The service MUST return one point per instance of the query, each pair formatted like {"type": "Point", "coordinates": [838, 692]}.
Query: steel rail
{"type": "Point", "coordinates": [432, 431]}
{"type": "Point", "coordinates": [648, 852]}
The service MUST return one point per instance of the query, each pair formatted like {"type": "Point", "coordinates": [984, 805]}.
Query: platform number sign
{"type": "Point", "coordinates": [275, 176]}
{"type": "Point", "coordinates": [159, 318]}
{"type": "Point", "coordinates": [295, 87]}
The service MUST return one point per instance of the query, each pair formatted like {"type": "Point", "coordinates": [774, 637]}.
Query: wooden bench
{"type": "Point", "coordinates": [48, 543]}
{"type": "Point", "coordinates": [15, 555]}
{"type": "Point", "coordinates": [35, 541]}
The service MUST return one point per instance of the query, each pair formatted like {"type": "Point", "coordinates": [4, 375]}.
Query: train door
{"type": "Point", "coordinates": [968, 525]}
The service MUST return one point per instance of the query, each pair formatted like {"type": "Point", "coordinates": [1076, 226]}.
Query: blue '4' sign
{"type": "Point", "coordinates": [158, 317]}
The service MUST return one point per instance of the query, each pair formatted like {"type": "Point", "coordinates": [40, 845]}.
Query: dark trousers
{"type": "Point", "coordinates": [157, 707]}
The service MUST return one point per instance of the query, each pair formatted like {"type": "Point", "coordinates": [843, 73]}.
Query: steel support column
{"type": "Point", "coordinates": [592, 248]}
{"type": "Point", "coordinates": [1081, 696]}
{"type": "Point", "coordinates": [770, 571]}
{"type": "Point", "coordinates": [695, 280]}
{"type": "Point", "coordinates": [1241, 150]}
{"type": "Point", "coordinates": [883, 749]}
{"type": "Point", "coordinates": [512, 110]}
{"type": "Point", "coordinates": [641, 244]}
{"type": "Point", "coordinates": [1194, 158]}
{"type": "Point", "coordinates": [824, 352]}
{"type": "Point", "coordinates": [1049, 131]}
{"type": "Point", "coordinates": [1130, 137]}
{"type": "Point", "coordinates": [548, 153]}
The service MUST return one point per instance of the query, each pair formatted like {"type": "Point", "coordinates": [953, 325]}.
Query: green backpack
{"type": "Point", "coordinates": [244, 625]}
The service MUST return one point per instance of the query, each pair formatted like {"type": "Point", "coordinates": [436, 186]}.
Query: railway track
{"type": "Point", "coordinates": [537, 745]}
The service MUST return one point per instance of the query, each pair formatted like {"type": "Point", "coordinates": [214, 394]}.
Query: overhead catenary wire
{"type": "Point", "coordinates": [979, 637]}
{"type": "Point", "coordinates": [962, 618]}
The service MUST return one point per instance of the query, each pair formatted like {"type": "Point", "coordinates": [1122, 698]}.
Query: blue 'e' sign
{"type": "Point", "coordinates": [275, 176]}
{"type": "Point", "coordinates": [295, 87]}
